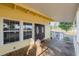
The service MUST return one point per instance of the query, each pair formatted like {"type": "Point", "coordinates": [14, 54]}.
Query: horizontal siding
{"type": "Point", "coordinates": [10, 47]}
{"type": "Point", "coordinates": [8, 12]}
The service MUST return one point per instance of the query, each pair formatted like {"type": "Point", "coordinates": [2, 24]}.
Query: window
{"type": "Point", "coordinates": [11, 37]}
{"type": "Point", "coordinates": [11, 25]}
{"type": "Point", "coordinates": [27, 30]}
{"type": "Point", "coordinates": [27, 26]}
{"type": "Point", "coordinates": [10, 31]}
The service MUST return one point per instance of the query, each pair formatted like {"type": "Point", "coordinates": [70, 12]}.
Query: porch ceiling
{"type": "Point", "coordinates": [58, 11]}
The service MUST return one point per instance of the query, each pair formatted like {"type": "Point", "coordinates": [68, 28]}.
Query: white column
{"type": "Point", "coordinates": [33, 31]}
{"type": "Point", "coordinates": [76, 39]}
{"type": "Point", "coordinates": [1, 31]}
{"type": "Point", "coordinates": [47, 31]}
{"type": "Point", "coordinates": [21, 31]}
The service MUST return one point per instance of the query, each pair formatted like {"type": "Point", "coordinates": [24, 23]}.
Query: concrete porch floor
{"type": "Point", "coordinates": [55, 48]}
{"type": "Point", "coordinates": [60, 48]}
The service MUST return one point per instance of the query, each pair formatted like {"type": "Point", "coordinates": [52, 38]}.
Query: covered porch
{"type": "Point", "coordinates": [28, 23]}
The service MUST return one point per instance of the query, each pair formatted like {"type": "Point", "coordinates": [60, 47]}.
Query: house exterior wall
{"type": "Point", "coordinates": [47, 31]}
{"type": "Point", "coordinates": [12, 13]}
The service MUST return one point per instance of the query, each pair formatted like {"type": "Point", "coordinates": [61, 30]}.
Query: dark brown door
{"type": "Point", "coordinates": [39, 31]}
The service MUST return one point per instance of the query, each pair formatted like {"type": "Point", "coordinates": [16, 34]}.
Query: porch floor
{"type": "Point", "coordinates": [60, 48]}
{"type": "Point", "coordinates": [55, 48]}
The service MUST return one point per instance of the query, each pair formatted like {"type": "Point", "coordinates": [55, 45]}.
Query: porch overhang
{"type": "Point", "coordinates": [34, 11]}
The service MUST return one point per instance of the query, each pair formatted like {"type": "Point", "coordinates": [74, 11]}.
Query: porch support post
{"type": "Point", "coordinates": [21, 31]}
{"type": "Point", "coordinates": [33, 31]}
{"type": "Point", "coordinates": [1, 31]}
{"type": "Point", "coordinates": [76, 39]}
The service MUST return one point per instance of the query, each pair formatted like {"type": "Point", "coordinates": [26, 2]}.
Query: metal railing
{"type": "Point", "coordinates": [43, 51]}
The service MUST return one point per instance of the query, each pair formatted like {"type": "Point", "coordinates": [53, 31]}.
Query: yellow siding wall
{"type": "Point", "coordinates": [8, 12]}
{"type": "Point", "coordinates": [16, 14]}
{"type": "Point", "coordinates": [10, 47]}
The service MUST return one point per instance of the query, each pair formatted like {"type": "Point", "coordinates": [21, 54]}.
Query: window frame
{"type": "Point", "coordinates": [21, 30]}
{"type": "Point", "coordinates": [26, 30]}
{"type": "Point", "coordinates": [9, 31]}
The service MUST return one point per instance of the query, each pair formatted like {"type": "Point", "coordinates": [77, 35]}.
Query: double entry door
{"type": "Point", "coordinates": [39, 31]}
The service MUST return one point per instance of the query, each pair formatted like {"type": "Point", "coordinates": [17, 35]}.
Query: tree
{"type": "Point", "coordinates": [65, 25]}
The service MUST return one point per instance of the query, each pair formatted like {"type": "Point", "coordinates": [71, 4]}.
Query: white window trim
{"type": "Point", "coordinates": [20, 31]}
{"type": "Point", "coordinates": [10, 30]}
{"type": "Point", "coordinates": [28, 30]}
{"type": "Point", "coordinates": [1, 31]}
